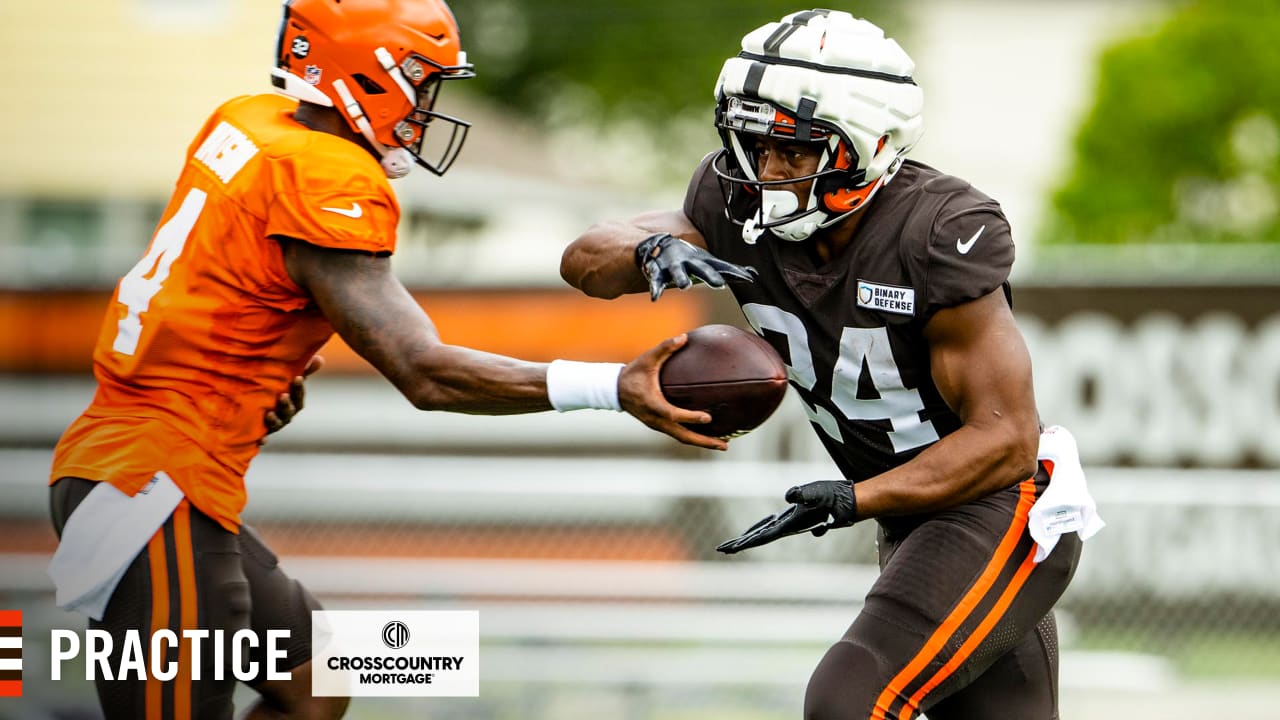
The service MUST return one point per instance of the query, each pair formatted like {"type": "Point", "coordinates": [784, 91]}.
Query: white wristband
{"type": "Point", "coordinates": [582, 385]}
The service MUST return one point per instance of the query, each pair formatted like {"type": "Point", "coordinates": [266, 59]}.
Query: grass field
{"type": "Point", "coordinates": [1231, 655]}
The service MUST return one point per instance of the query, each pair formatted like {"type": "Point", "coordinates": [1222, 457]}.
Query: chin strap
{"type": "Point", "coordinates": [396, 162]}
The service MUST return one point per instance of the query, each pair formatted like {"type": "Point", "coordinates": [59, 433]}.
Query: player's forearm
{"type": "Point", "coordinates": [968, 464]}
{"type": "Point", "coordinates": [380, 320]}
{"type": "Point", "coordinates": [402, 343]}
{"type": "Point", "coordinates": [458, 379]}
{"type": "Point", "coordinates": [602, 261]}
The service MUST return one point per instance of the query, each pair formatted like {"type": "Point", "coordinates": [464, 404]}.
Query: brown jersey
{"type": "Point", "coordinates": [851, 330]}
{"type": "Point", "coordinates": [208, 329]}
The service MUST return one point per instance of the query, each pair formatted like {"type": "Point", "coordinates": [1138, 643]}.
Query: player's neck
{"type": "Point", "coordinates": [327, 120]}
{"type": "Point", "coordinates": [832, 241]}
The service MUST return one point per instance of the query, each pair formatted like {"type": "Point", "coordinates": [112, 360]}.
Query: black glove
{"type": "Point", "coordinates": [811, 505]}
{"type": "Point", "coordinates": [669, 261]}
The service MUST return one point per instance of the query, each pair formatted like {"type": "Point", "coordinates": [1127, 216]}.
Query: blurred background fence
{"type": "Point", "coordinates": [587, 541]}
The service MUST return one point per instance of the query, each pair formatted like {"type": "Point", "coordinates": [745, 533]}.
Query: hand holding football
{"type": "Point", "coordinates": [732, 374]}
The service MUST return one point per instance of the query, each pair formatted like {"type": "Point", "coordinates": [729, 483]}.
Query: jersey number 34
{"type": "Point", "coordinates": [896, 403]}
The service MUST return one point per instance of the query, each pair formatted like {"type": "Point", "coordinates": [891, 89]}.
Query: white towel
{"type": "Point", "coordinates": [104, 534]}
{"type": "Point", "coordinates": [1066, 505]}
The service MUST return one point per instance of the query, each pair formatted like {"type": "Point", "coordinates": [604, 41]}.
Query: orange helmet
{"type": "Point", "coordinates": [380, 63]}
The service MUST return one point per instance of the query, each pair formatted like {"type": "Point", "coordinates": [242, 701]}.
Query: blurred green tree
{"type": "Point", "coordinates": [645, 58]}
{"type": "Point", "coordinates": [626, 78]}
{"type": "Point", "coordinates": [1183, 142]}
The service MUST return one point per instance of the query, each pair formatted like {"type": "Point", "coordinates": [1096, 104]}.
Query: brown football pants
{"type": "Point", "coordinates": [959, 624]}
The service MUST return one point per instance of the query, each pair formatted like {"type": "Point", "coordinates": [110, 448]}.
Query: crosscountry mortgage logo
{"type": "Point", "coordinates": [395, 634]}
{"type": "Point", "coordinates": [10, 653]}
{"type": "Point", "coordinates": [395, 653]}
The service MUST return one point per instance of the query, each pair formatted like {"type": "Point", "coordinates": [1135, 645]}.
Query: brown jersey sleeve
{"type": "Point", "coordinates": [970, 251]}
{"type": "Point", "coordinates": [703, 201]}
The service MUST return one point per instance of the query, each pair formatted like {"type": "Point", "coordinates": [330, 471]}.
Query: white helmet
{"type": "Point", "coordinates": [821, 76]}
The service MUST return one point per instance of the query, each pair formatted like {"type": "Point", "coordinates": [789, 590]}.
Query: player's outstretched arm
{"type": "Point", "coordinates": [380, 320]}
{"type": "Point", "coordinates": [374, 313]}
{"type": "Point", "coordinates": [651, 252]}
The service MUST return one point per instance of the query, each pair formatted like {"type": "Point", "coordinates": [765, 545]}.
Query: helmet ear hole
{"type": "Point", "coordinates": [843, 156]}
{"type": "Point", "coordinates": [368, 85]}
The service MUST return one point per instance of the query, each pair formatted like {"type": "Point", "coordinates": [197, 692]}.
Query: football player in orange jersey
{"type": "Point", "coordinates": [279, 232]}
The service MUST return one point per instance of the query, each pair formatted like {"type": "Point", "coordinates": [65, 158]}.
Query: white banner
{"type": "Point", "coordinates": [1161, 391]}
{"type": "Point", "coordinates": [395, 653]}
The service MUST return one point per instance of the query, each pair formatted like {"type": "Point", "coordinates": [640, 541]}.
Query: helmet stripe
{"type": "Point", "coordinates": [873, 74]}
{"type": "Point", "coordinates": [780, 34]}
{"type": "Point", "coordinates": [804, 17]}
{"type": "Point", "coordinates": [755, 73]}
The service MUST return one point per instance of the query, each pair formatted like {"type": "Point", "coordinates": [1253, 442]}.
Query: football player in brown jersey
{"type": "Point", "coordinates": [884, 283]}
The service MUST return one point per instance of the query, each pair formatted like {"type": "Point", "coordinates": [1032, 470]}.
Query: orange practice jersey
{"type": "Point", "coordinates": [208, 329]}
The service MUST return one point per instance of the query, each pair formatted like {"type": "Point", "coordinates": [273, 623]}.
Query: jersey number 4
{"type": "Point", "coordinates": [858, 347]}
{"type": "Point", "coordinates": [148, 276]}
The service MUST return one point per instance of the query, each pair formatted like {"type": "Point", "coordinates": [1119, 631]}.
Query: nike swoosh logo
{"type": "Point", "coordinates": [355, 212]}
{"type": "Point", "coordinates": [964, 247]}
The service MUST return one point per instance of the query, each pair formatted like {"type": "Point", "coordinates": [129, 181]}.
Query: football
{"type": "Point", "coordinates": [732, 374]}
